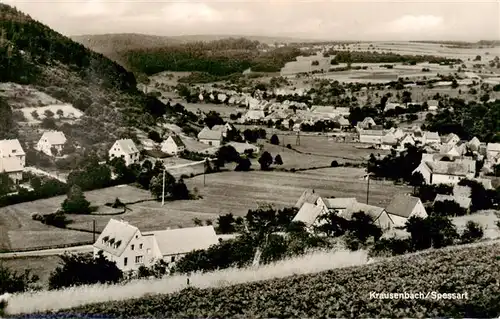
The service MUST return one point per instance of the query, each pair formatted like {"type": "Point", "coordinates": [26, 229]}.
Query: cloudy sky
{"type": "Point", "coordinates": [326, 19]}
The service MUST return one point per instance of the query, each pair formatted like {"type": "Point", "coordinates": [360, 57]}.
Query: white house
{"type": "Point", "coordinates": [173, 145]}
{"type": "Point", "coordinates": [210, 137]}
{"type": "Point", "coordinates": [474, 144]}
{"type": "Point", "coordinates": [130, 248]}
{"type": "Point", "coordinates": [126, 149]}
{"type": "Point", "coordinates": [339, 205]}
{"type": "Point", "coordinates": [408, 139]}
{"type": "Point", "coordinates": [367, 123]}
{"type": "Point", "coordinates": [309, 214]}
{"type": "Point", "coordinates": [402, 207]}
{"type": "Point", "coordinates": [371, 136]}
{"type": "Point", "coordinates": [450, 139]}
{"type": "Point", "coordinates": [12, 149]}
{"type": "Point", "coordinates": [308, 196]}
{"type": "Point", "coordinates": [224, 128]}
{"type": "Point", "coordinates": [51, 140]}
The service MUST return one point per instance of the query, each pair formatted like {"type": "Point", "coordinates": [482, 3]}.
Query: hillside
{"type": "Point", "coordinates": [46, 63]}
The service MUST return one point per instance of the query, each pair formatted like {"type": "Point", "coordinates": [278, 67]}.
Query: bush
{"type": "Point", "coordinates": [57, 219]}
{"type": "Point", "coordinates": [472, 232]}
{"type": "Point", "coordinates": [334, 164]}
{"type": "Point", "coordinates": [275, 140]}
{"type": "Point", "coordinates": [289, 146]}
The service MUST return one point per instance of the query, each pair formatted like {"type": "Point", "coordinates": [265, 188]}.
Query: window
{"type": "Point", "coordinates": [125, 260]}
{"type": "Point", "coordinates": [131, 247]}
{"type": "Point", "coordinates": [140, 246]}
{"type": "Point", "coordinates": [138, 259]}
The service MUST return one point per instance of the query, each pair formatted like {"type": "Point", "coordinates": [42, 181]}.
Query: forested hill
{"type": "Point", "coordinates": [33, 54]}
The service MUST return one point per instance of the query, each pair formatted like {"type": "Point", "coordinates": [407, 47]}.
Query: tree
{"type": "Point", "coordinates": [213, 118]}
{"type": "Point", "coordinates": [155, 136]}
{"type": "Point", "coordinates": [79, 270]}
{"type": "Point", "coordinates": [197, 221]}
{"type": "Point", "coordinates": [448, 208]}
{"type": "Point", "coordinates": [227, 154]}
{"type": "Point", "coordinates": [274, 140]}
{"type": "Point", "coordinates": [362, 227]}
{"type": "Point", "coordinates": [180, 190]}
{"type": "Point", "coordinates": [265, 161]}
{"type": "Point", "coordinates": [49, 123]}
{"type": "Point", "coordinates": [156, 185]}
{"type": "Point", "coordinates": [11, 282]}
{"type": "Point", "coordinates": [278, 160]}
{"type": "Point", "coordinates": [331, 224]}
{"type": "Point", "coordinates": [7, 123]}
{"type": "Point", "coordinates": [225, 224]}
{"type": "Point", "coordinates": [48, 113]}
{"type": "Point", "coordinates": [6, 184]}
{"type": "Point", "coordinates": [60, 113]}
{"type": "Point", "coordinates": [244, 165]}
{"type": "Point", "coordinates": [477, 58]}
{"type": "Point", "coordinates": [472, 232]}
{"type": "Point", "coordinates": [75, 203]}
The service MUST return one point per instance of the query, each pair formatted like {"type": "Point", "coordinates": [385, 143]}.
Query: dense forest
{"type": "Point", "coordinates": [468, 120]}
{"type": "Point", "coordinates": [31, 53]}
{"type": "Point", "coordinates": [219, 58]}
{"type": "Point", "coordinates": [387, 57]}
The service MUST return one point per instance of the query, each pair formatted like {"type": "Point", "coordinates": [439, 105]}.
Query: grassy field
{"type": "Point", "coordinates": [41, 266]}
{"type": "Point", "coordinates": [226, 192]}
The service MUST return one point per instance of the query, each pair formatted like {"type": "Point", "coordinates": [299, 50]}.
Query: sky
{"type": "Point", "coordinates": [376, 20]}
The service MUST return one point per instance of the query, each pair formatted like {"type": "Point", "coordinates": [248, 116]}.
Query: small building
{"type": "Point", "coordinates": [371, 136]}
{"type": "Point", "coordinates": [173, 145]}
{"type": "Point", "coordinates": [51, 143]}
{"type": "Point", "coordinates": [126, 149]}
{"type": "Point", "coordinates": [130, 248]}
{"type": "Point", "coordinates": [210, 137]}
{"type": "Point", "coordinates": [12, 149]}
{"type": "Point", "coordinates": [492, 150]}
{"type": "Point", "coordinates": [403, 207]}
{"type": "Point", "coordinates": [367, 123]}
{"type": "Point", "coordinates": [450, 139]}
{"type": "Point", "coordinates": [474, 144]}
{"type": "Point", "coordinates": [432, 105]}
{"type": "Point", "coordinates": [440, 172]}
{"type": "Point", "coordinates": [12, 167]}
{"type": "Point", "coordinates": [407, 139]}
{"type": "Point", "coordinates": [432, 138]}
{"type": "Point", "coordinates": [309, 214]}
{"type": "Point", "coordinates": [224, 128]}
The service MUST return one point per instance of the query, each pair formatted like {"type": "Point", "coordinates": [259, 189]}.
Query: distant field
{"type": "Point", "coordinates": [224, 110]}
{"type": "Point", "coordinates": [68, 111]}
{"type": "Point", "coordinates": [40, 266]}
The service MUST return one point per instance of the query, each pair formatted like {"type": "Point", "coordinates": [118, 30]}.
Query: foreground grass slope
{"type": "Point", "coordinates": [474, 270]}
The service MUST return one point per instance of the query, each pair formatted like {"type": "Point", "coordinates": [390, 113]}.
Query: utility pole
{"type": "Point", "coordinates": [163, 190]}
{"type": "Point", "coordinates": [93, 230]}
{"type": "Point", "coordinates": [368, 189]}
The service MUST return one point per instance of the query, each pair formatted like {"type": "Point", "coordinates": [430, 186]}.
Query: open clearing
{"type": "Point", "coordinates": [40, 266]}
{"type": "Point", "coordinates": [225, 192]}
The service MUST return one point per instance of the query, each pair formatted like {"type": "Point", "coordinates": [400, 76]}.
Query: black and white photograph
{"type": "Point", "coordinates": [249, 159]}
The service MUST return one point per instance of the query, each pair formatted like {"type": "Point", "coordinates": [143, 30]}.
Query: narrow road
{"type": "Point", "coordinates": [49, 252]}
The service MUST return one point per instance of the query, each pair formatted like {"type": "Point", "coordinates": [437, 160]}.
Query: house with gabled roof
{"type": "Point", "coordinates": [492, 150]}
{"type": "Point", "coordinates": [371, 136]}
{"type": "Point", "coordinates": [334, 204]}
{"type": "Point", "coordinates": [402, 207]}
{"type": "Point", "coordinates": [12, 149]}
{"type": "Point", "coordinates": [407, 139]}
{"type": "Point", "coordinates": [450, 139]}
{"type": "Point", "coordinates": [440, 172]}
{"type": "Point", "coordinates": [378, 215]}
{"type": "Point", "coordinates": [126, 149]}
{"type": "Point", "coordinates": [474, 144]}
{"type": "Point", "coordinates": [12, 167]}
{"type": "Point", "coordinates": [309, 214]}
{"type": "Point", "coordinates": [130, 248]}
{"type": "Point", "coordinates": [431, 138]}
{"type": "Point", "coordinates": [210, 136]}
{"type": "Point", "coordinates": [367, 123]}
{"type": "Point", "coordinates": [462, 201]}
{"type": "Point", "coordinates": [51, 141]}
{"type": "Point", "coordinates": [173, 145]}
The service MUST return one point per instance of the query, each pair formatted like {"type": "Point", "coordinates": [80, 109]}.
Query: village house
{"type": "Point", "coordinates": [210, 136]}
{"type": "Point", "coordinates": [371, 136]}
{"type": "Point", "coordinates": [439, 172]}
{"type": "Point", "coordinates": [462, 201]}
{"type": "Point", "coordinates": [407, 139]}
{"type": "Point", "coordinates": [130, 248]}
{"type": "Point", "coordinates": [431, 138]}
{"type": "Point", "coordinates": [492, 150]}
{"type": "Point", "coordinates": [173, 145]}
{"type": "Point", "coordinates": [12, 149]}
{"type": "Point", "coordinates": [432, 105]}
{"type": "Point", "coordinates": [339, 205]}
{"type": "Point", "coordinates": [367, 123]}
{"type": "Point", "coordinates": [388, 141]}
{"type": "Point", "coordinates": [252, 116]}
{"type": "Point", "coordinates": [126, 149]}
{"type": "Point", "coordinates": [308, 196]}
{"type": "Point", "coordinates": [51, 143]}
{"type": "Point", "coordinates": [341, 121]}
{"type": "Point", "coordinates": [474, 144]}
{"type": "Point", "coordinates": [403, 207]}
{"type": "Point", "coordinates": [223, 128]}
{"type": "Point", "coordinates": [450, 150]}
{"type": "Point", "coordinates": [379, 215]}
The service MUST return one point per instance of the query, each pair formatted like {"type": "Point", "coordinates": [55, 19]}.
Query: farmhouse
{"type": "Point", "coordinates": [308, 196]}
{"type": "Point", "coordinates": [402, 207]}
{"type": "Point", "coordinates": [308, 214]}
{"type": "Point", "coordinates": [130, 248]}
{"type": "Point", "coordinates": [224, 128]}
{"type": "Point", "coordinates": [126, 149]}
{"type": "Point", "coordinates": [367, 123]}
{"type": "Point", "coordinates": [339, 205]}
{"type": "Point", "coordinates": [440, 172]}
{"type": "Point", "coordinates": [51, 143]}
{"type": "Point", "coordinates": [210, 137]}
{"type": "Point", "coordinates": [12, 149]}
{"type": "Point", "coordinates": [173, 145]}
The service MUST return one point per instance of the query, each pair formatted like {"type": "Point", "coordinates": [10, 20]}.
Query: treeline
{"type": "Point", "coordinates": [216, 58]}
{"type": "Point", "coordinates": [468, 119]}
{"type": "Point", "coordinates": [385, 57]}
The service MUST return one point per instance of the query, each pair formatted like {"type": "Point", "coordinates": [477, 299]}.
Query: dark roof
{"type": "Point", "coordinates": [178, 141]}
{"type": "Point", "coordinates": [402, 205]}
